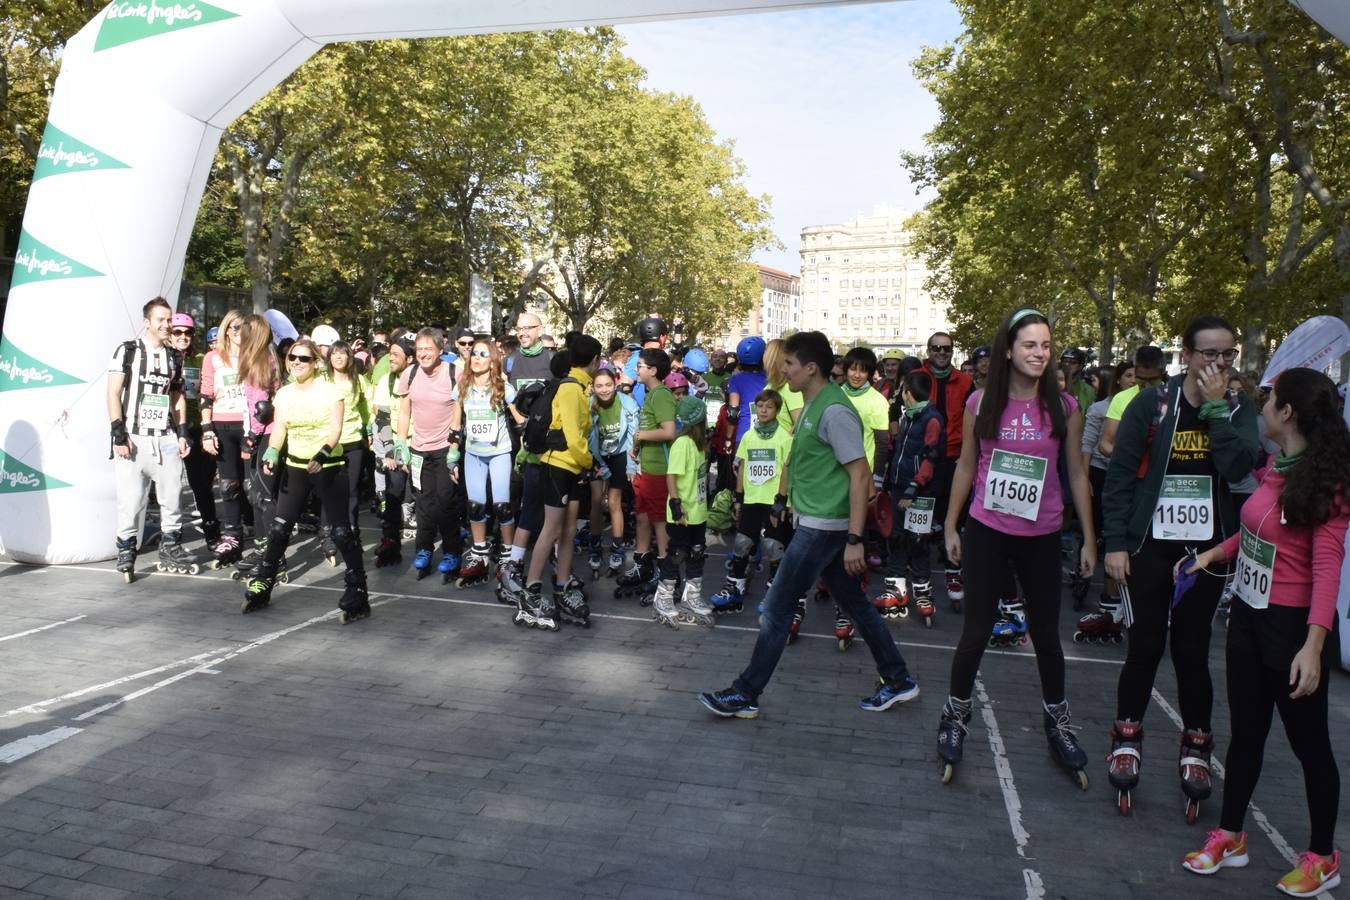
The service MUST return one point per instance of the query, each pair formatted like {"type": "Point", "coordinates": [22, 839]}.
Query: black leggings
{"type": "Point", "coordinates": [687, 547]}
{"type": "Point", "coordinates": [201, 472]}
{"type": "Point", "coordinates": [1150, 584]}
{"type": "Point", "coordinates": [234, 507]}
{"type": "Point", "coordinates": [330, 485]}
{"type": "Point", "coordinates": [440, 507]}
{"type": "Point", "coordinates": [988, 558]}
{"type": "Point", "coordinates": [355, 456]}
{"type": "Point", "coordinates": [1262, 643]}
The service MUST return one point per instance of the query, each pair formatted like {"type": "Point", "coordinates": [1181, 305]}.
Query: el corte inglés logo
{"type": "Point", "coordinates": [35, 261]}
{"type": "Point", "coordinates": [59, 154]}
{"type": "Point", "coordinates": [17, 478]}
{"type": "Point", "coordinates": [19, 371]}
{"type": "Point", "coordinates": [134, 20]}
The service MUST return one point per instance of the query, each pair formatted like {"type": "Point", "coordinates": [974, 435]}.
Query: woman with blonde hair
{"type": "Point", "coordinates": [260, 374]}
{"type": "Point", "coordinates": [775, 380]}
{"type": "Point", "coordinates": [483, 397]}
{"type": "Point", "coordinates": [222, 409]}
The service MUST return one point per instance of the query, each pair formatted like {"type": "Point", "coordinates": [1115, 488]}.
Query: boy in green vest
{"type": "Point", "coordinates": [830, 483]}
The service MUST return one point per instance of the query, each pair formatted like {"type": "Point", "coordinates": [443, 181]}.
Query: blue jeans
{"type": "Point", "coordinates": [813, 556]}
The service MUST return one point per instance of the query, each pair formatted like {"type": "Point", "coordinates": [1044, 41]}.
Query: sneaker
{"type": "Point", "coordinates": [730, 703]}
{"type": "Point", "coordinates": [956, 586]}
{"type": "Point", "coordinates": [1312, 876]}
{"type": "Point", "coordinates": [1220, 850]}
{"type": "Point", "coordinates": [889, 694]}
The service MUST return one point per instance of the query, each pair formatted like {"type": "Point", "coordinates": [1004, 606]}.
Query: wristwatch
{"type": "Point", "coordinates": [854, 539]}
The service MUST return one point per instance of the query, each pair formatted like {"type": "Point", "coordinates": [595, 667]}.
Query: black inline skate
{"type": "Point", "coordinates": [126, 558]}
{"type": "Point", "coordinates": [173, 558]}
{"type": "Point", "coordinates": [511, 582]}
{"type": "Point", "coordinates": [640, 580]}
{"type": "Point", "coordinates": [1193, 764]}
{"type": "Point", "coordinates": [535, 610]}
{"type": "Point", "coordinates": [327, 549]}
{"type": "Point", "coordinates": [596, 560]}
{"type": "Point", "coordinates": [389, 552]}
{"type": "Point", "coordinates": [1062, 742]}
{"type": "Point", "coordinates": [355, 601]}
{"type": "Point", "coordinates": [571, 605]}
{"type": "Point", "coordinates": [616, 559]}
{"type": "Point", "coordinates": [227, 551]}
{"type": "Point", "coordinates": [258, 593]}
{"type": "Point", "coordinates": [1127, 743]}
{"type": "Point", "coordinates": [474, 569]}
{"type": "Point", "coordinates": [952, 730]}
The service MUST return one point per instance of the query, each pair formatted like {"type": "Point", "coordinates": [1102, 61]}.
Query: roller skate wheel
{"type": "Point", "coordinates": [1079, 637]}
{"type": "Point", "coordinates": [927, 621]}
{"type": "Point", "coordinates": [1082, 778]}
{"type": "Point", "coordinates": [948, 770]}
{"type": "Point", "coordinates": [902, 612]}
{"type": "Point", "coordinates": [1123, 802]}
{"type": "Point", "coordinates": [128, 577]}
{"type": "Point", "coordinates": [193, 569]}
{"type": "Point", "coordinates": [1192, 811]}
{"type": "Point", "coordinates": [843, 644]}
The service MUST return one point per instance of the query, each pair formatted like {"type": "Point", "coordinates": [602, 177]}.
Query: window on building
{"type": "Point", "coordinates": [867, 321]}
{"type": "Point", "coordinates": [913, 313]}
{"type": "Point", "coordinates": [895, 332]}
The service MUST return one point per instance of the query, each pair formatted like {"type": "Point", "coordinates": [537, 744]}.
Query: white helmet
{"type": "Point", "coordinates": [325, 336]}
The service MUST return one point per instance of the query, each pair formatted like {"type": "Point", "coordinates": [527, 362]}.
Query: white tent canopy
{"type": "Point", "coordinates": [145, 91]}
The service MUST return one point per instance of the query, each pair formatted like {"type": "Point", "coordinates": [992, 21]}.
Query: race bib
{"type": "Point", "coordinates": [153, 414]}
{"type": "Point", "coordinates": [714, 410]}
{"type": "Point", "coordinates": [416, 469]}
{"type": "Point", "coordinates": [231, 397]}
{"type": "Point", "coordinates": [762, 465]}
{"type": "Point", "coordinates": [192, 384]}
{"type": "Point", "coordinates": [1015, 485]}
{"type": "Point", "coordinates": [919, 516]}
{"type": "Point", "coordinates": [1185, 510]}
{"type": "Point", "coordinates": [482, 425]}
{"type": "Point", "coordinates": [1255, 570]}
{"type": "Point", "coordinates": [703, 482]}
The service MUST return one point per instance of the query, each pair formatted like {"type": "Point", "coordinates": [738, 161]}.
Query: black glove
{"type": "Point", "coordinates": [676, 509]}
{"type": "Point", "coordinates": [779, 506]}
{"type": "Point", "coordinates": [324, 455]}
{"type": "Point", "coordinates": [185, 432]}
{"type": "Point", "coordinates": [119, 433]}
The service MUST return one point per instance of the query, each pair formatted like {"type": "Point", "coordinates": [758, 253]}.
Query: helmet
{"type": "Point", "coordinates": [750, 351]}
{"type": "Point", "coordinates": [212, 333]}
{"type": "Point", "coordinates": [1073, 353]}
{"type": "Point", "coordinates": [182, 320]}
{"type": "Point", "coordinates": [982, 353]}
{"type": "Point", "coordinates": [676, 380]}
{"type": "Point", "coordinates": [696, 360]}
{"type": "Point", "coordinates": [325, 336]}
{"type": "Point", "coordinates": [651, 329]}
{"type": "Point", "coordinates": [893, 353]}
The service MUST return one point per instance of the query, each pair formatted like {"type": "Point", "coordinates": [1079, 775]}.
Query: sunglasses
{"type": "Point", "coordinates": [463, 343]}
{"type": "Point", "coordinates": [293, 357]}
{"type": "Point", "coordinates": [482, 354]}
{"type": "Point", "coordinates": [234, 327]}
{"type": "Point", "coordinates": [933, 348]}
{"type": "Point", "coordinates": [181, 332]}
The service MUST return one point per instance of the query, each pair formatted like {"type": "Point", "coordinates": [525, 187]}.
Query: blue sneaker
{"type": "Point", "coordinates": [890, 694]}
{"type": "Point", "coordinates": [730, 703]}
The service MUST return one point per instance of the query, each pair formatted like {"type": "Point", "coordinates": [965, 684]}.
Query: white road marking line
{"type": "Point", "coordinates": [10, 637]}
{"type": "Point", "coordinates": [42, 705]}
{"type": "Point", "coordinates": [17, 750]}
{"type": "Point", "coordinates": [1012, 801]}
{"type": "Point", "coordinates": [1262, 822]}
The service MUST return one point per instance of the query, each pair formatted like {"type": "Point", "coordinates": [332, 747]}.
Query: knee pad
{"type": "Point", "coordinates": [771, 550]}
{"type": "Point", "coordinates": [503, 513]}
{"type": "Point", "coordinates": [743, 545]}
{"type": "Point", "coordinates": [343, 537]}
{"type": "Point", "coordinates": [231, 491]}
{"type": "Point", "coordinates": [477, 512]}
{"type": "Point", "coordinates": [698, 553]}
{"type": "Point", "coordinates": [669, 565]}
{"type": "Point", "coordinates": [279, 530]}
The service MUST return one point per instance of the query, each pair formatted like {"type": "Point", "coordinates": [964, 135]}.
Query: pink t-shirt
{"type": "Point", "coordinates": [431, 396]}
{"type": "Point", "coordinates": [1026, 474]}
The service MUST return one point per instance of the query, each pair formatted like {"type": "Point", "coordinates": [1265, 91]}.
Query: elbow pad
{"type": "Point", "coordinates": [263, 412]}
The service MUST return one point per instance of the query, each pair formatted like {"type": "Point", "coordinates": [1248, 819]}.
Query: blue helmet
{"type": "Point", "coordinates": [696, 360]}
{"type": "Point", "coordinates": [750, 351]}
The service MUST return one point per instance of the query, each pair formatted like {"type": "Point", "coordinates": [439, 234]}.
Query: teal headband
{"type": "Point", "coordinates": [1022, 314]}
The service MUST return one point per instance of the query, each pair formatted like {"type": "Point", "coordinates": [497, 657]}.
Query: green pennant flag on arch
{"type": "Point", "coordinates": [133, 20]}
{"type": "Point", "coordinates": [19, 371]}
{"type": "Point", "coordinates": [35, 261]}
{"type": "Point", "coordinates": [61, 154]}
{"type": "Point", "coordinates": [17, 478]}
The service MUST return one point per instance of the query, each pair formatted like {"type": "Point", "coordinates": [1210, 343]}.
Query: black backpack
{"type": "Point", "coordinates": [536, 405]}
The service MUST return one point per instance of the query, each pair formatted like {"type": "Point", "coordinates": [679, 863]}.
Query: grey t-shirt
{"type": "Point", "coordinates": [1092, 433]}
{"type": "Point", "coordinates": [841, 428]}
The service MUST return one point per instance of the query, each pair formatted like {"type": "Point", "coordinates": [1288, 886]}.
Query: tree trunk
{"type": "Point", "coordinates": [1254, 345]}
{"type": "Point", "coordinates": [262, 295]}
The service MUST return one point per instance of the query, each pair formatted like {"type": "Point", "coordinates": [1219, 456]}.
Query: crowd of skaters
{"type": "Point", "coordinates": [520, 456]}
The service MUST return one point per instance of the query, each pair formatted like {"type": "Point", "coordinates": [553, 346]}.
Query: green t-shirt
{"type": "Point", "coordinates": [1120, 401]}
{"type": "Point", "coordinates": [717, 383]}
{"type": "Point", "coordinates": [657, 408]}
{"type": "Point", "coordinates": [690, 469]}
{"type": "Point", "coordinates": [305, 413]}
{"type": "Point", "coordinates": [875, 412]}
{"type": "Point", "coordinates": [763, 460]}
{"type": "Point", "coordinates": [609, 426]}
{"type": "Point", "coordinates": [355, 413]}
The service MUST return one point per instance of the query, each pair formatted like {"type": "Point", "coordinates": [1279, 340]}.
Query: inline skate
{"type": "Point", "coordinates": [173, 558]}
{"type": "Point", "coordinates": [258, 592]}
{"type": "Point", "coordinates": [731, 598]}
{"type": "Point", "coordinates": [893, 602]}
{"type": "Point", "coordinates": [1063, 744]}
{"type": "Point", "coordinates": [422, 564]}
{"type": "Point", "coordinates": [798, 616]}
{"type": "Point", "coordinates": [327, 549]}
{"type": "Point", "coordinates": [640, 579]}
{"type": "Point", "coordinates": [474, 570]}
{"type": "Point", "coordinates": [389, 552]}
{"type": "Point", "coordinates": [226, 550]}
{"type": "Point", "coordinates": [956, 588]}
{"type": "Point", "coordinates": [1102, 626]}
{"type": "Point", "coordinates": [843, 629]}
{"type": "Point", "coordinates": [952, 731]}
{"type": "Point", "coordinates": [1193, 765]}
{"type": "Point", "coordinates": [571, 605]}
{"type": "Point", "coordinates": [355, 601]}
{"type": "Point", "coordinates": [596, 560]}
{"type": "Point", "coordinates": [923, 602]}
{"type": "Point", "coordinates": [535, 610]}
{"type": "Point", "coordinates": [692, 609]}
{"type": "Point", "coordinates": [510, 582]}
{"type": "Point", "coordinates": [126, 558]}
{"type": "Point", "coordinates": [663, 603]}
{"type": "Point", "coordinates": [616, 559]}
{"type": "Point", "coordinates": [1011, 628]}
{"type": "Point", "coordinates": [448, 566]}
{"type": "Point", "coordinates": [247, 567]}
{"type": "Point", "coordinates": [1127, 742]}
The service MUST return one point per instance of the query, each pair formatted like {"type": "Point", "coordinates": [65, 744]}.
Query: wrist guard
{"type": "Point", "coordinates": [676, 509]}
{"type": "Point", "coordinates": [324, 455]}
{"type": "Point", "coordinates": [740, 498]}
{"type": "Point", "coordinates": [779, 505]}
{"type": "Point", "coordinates": [208, 428]}
{"type": "Point", "coordinates": [452, 457]}
{"type": "Point", "coordinates": [119, 432]}
{"type": "Point", "coordinates": [184, 431]}
{"type": "Point", "coordinates": [271, 455]}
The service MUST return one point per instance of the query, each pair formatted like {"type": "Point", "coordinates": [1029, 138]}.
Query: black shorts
{"type": "Point", "coordinates": [618, 471]}
{"type": "Point", "coordinates": [531, 517]}
{"type": "Point", "coordinates": [561, 487]}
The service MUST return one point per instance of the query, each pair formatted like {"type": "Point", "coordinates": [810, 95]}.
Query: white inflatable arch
{"type": "Point", "coordinates": [145, 91]}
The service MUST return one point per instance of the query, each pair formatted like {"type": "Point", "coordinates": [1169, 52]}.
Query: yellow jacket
{"type": "Point", "coordinates": [572, 416]}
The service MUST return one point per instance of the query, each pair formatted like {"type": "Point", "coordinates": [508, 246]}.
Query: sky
{"type": "Point", "coordinates": [818, 102]}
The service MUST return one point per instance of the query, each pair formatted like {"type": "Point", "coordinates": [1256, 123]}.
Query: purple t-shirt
{"type": "Point", "coordinates": [747, 385]}
{"type": "Point", "coordinates": [1023, 497]}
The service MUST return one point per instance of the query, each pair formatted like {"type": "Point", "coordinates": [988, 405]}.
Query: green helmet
{"type": "Point", "coordinates": [719, 513]}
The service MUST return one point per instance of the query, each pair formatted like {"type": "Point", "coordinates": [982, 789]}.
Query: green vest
{"type": "Point", "coordinates": [819, 485]}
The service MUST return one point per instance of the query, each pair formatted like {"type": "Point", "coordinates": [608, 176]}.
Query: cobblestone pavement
{"type": "Point", "coordinates": [157, 743]}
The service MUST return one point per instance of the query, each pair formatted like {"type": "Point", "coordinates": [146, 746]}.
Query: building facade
{"type": "Point", "coordinates": [779, 310]}
{"type": "Point", "coordinates": [860, 281]}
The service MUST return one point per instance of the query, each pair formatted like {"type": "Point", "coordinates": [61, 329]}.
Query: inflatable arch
{"type": "Point", "coordinates": [133, 127]}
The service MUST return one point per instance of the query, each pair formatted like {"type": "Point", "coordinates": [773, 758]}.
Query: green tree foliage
{"type": "Point", "coordinates": [1126, 164]}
